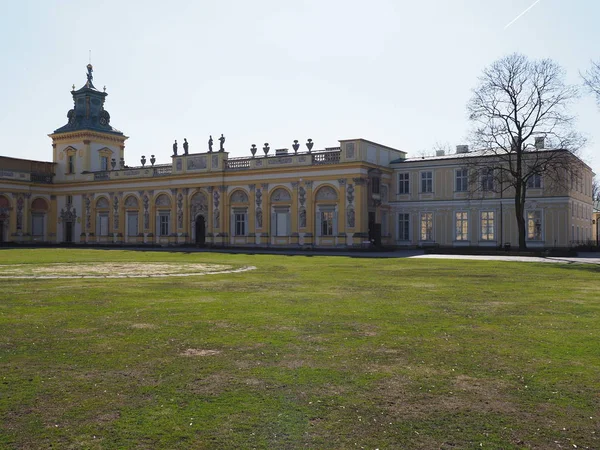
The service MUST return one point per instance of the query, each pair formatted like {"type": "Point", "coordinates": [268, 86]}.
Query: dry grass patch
{"type": "Point", "coordinates": [199, 352]}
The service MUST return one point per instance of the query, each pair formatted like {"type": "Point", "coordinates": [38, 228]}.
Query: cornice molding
{"type": "Point", "coordinates": [84, 135]}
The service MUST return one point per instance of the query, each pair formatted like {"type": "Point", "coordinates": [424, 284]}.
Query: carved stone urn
{"type": "Point", "coordinates": [143, 160]}
{"type": "Point", "coordinates": [122, 165]}
{"type": "Point", "coordinates": [309, 145]}
{"type": "Point", "coordinates": [266, 148]}
{"type": "Point", "coordinates": [152, 159]}
{"type": "Point", "coordinates": [253, 150]}
{"type": "Point", "coordinates": [113, 163]}
{"type": "Point", "coordinates": [296, 146]}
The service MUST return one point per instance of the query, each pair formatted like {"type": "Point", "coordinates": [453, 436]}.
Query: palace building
{"type": "Point", "coordinates": [353, 195]}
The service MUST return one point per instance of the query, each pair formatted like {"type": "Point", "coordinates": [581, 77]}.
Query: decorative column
{"type": "Point", "coordinates": [216, 216]}
{"type": "Point", "coordinates": [361, 232]}
{"type": "Point", "coordinates": [225, 215]}
{"type": "Point", "coordinates": [185, 216]}
{"type": "Point", "coordinates": [148, 213]}
{"type": "Point", "coordinates": [266, 215]}
{"type": "Point", "coordinates": [210, 229]}
{"type": "Point", "coordinates": [87, 218]}
{"type": "Point", "coordinates": [350, 219]}
{"type": "Point", "coordinates": [310, 215]}
{"type": "Point", "coordinates": [258, 215]}
{"type": "Point", "coordinates": [20, 223]}
{"type": "Point", "coordinates": [52, 219]}
{"type": "Point", "coordinates": [294, 214]}
{"type": "Point", "coordinates": [116, 215]}
{"type": "Point", "coordinates": [174, 226]}
{"type": "Point", "coordinates": [252, 214]}
{"type": "Point", "coordinates": [341, 222]}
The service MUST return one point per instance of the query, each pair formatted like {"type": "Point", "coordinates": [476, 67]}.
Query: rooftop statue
{"type": "Point", "coordinates": [175, 148]}
{"type": "Point", "coordinates": [210, 144]}
{"type": "Point", "coordinates": [221, 143]}
{"type": "Point", "coordinates": [185, 146]}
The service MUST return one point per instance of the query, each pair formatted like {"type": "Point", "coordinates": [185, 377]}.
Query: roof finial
{"type": "Point", "coordinates": [90, 61]}
{"type": "Point", "coordinates": [90, 77]}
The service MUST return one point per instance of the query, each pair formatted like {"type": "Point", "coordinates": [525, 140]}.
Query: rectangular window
{"type": "Point", "coordinates": [239, 220]}
{"type": "Point", "coordinates": [37, 224]}
{"type": "Point", "coordinates": [462, 180]}
{"type": "Point", "coordinates": [534, 225]}
{"type": "Point", "coordinates": [427, 226]}
{"type": "Point", "coordinates": [488, 226]}
{"type": "Point", "coordinates": [403, 183]}
{"type": "Point", "coordinates": [487, 179]}
{"type": "Point", "coordinates": [104, 163]}
{"type": "Point", "coordinates": [326, 223]}
{"type": "Point", "coordinates": [132, 224]}
{"type": "Point", "coordinates": [281, 223]}
{"type": "Point", "coordinates": [403, 226]}
{"type": "Point", "coordinates": [163, 224]}
{"type": "Point", "coordinates": [69, 199]}
{"type": "Point", "coordinates": [426, 182]}
{"type": "Point", "coordinates": [375, 185]}
{"type": "Point", "coordinates": [102, 225]}
{"type": "Point", "coordinates": [535, 181]}
{"type": "Point", "coordinates": [71, 163]}
{"type": "Point", "coordinates": [461, 222]}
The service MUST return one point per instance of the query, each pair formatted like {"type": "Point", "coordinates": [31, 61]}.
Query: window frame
{"type": "Point", "coordinates": [129, 215]}
{"type": "Point", "coordinates": [487, 220]}
{"type": "Point", "coordinates": [528, 219]}
{"type": "Point", "coordinates": [426, 234]}
{"type": "Point", "coordinates": [101, 216]}
{"type": "Point", "coordinates": [403, 220]}
{"type": "Point", "coordinates": [535, 181]}
{"type": "Point", "coordinates": [240, 223]}
{"type": "Point", "coordinates": [426, 182]}
{"type": "Point", "coordinates": [164, 223]}
{"type": "Point", "coordinates": [327, 224]}
{"type": "Point", "coordinates": [70, 163]}
{"type": "Point", "coordinates": [486, 180]}
{"type": "Point", "coordinates": [461, 179]}
{"type": "Point", "coordinates": [403, 184]}
{"type": "Point", "coordinates": [461, 224]}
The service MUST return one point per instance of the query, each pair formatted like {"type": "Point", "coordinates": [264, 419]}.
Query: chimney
{"type": "Point", "coordinates": [540, 143]}
{"type": "Point", "coordinates": [440, 153]}
{"type": "Point", "coordinates": [462, 149]}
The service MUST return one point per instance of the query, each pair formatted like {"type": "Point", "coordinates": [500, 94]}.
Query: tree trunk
{"type": "Point", "coordinates": [519, 213]}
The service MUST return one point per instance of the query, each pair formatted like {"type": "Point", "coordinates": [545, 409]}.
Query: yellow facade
{"type": "Point", "coordinates": [354, 195]}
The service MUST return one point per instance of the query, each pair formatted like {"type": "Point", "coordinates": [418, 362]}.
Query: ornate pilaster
{"type": "Point", "coordinates": [310, 214]}
{"type": "Point", "coordinates": [293, 212]}
{"type": "Point", "coordinates": [251, 210]}
{"type": "Point", "coordinates": [342, 223]}
{"type": "Point", "coordinates": [362, 209]}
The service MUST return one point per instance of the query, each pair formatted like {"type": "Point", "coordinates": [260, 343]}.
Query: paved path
{"type": "Point", "coordinates": [584, 258]}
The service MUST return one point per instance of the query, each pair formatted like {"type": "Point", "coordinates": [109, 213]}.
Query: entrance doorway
{"type": "Point", "coordinates": [69, 232]}
{"type": "Point", "coordinates": [374, 230]}
{"type": "Point", "coordinates": [200, 230]}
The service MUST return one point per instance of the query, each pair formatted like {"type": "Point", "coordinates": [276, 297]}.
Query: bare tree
{"type": "Point", "coordinates": [591, 79]}
{"type": "Point", "coordinates": [596, 189]}
{"type": "Point", "coordinates": [519, 107]}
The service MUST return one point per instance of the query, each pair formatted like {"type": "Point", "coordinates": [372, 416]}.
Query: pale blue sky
{"type": "Point", "coordinates": [396, 72]}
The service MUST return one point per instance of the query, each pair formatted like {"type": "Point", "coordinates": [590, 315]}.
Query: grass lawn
{"type": "Point", "coordinates": [303, 352]}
